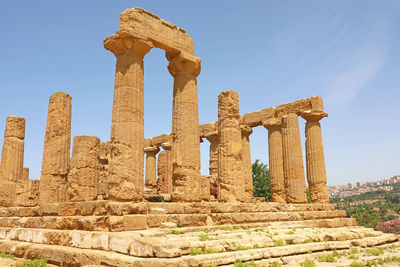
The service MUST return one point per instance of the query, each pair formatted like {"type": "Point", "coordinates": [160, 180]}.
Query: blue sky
{"type": "Point", "coordinates": [270, 52]}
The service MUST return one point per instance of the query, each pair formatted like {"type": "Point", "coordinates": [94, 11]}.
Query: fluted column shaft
{"type": "Point", "coordinates": [230, 169]}
{"type": "Point", "coordinates": [12, 154]}
{"type": "Point", "coordinates": [246, 159]}
{"type": "Point", "coordinates": [85, 169]}
{"type": "Point", "coordinates": [151, 165]}
{"type": "Point", "coordinates": [56, 150]}
{"type": "Point", "coordinates": [315, 160]}
{"type": "Point", "coordinates": [275, 155]}
{"type": "Point", "coordinates": [213, 161]}
{"type": "Point", "coordinates": [185, 127]}
{"type": "Point", "coordinates": [126, 166]}
{"type": "Point", "coordinates": [293, 161]}
{"type": "Point", "coordinates": [164, 169]}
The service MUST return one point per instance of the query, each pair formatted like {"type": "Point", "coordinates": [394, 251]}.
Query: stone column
{"type": "Point", "coordinates": [25, 174]}
{"type": "Point", "coordinates": [275, 155]}
{"type": "Point", "coordinates": [151, 166]}
{"type": "Point", "coordinates": [315, 161]}
{"type": "Point", "coordinates": [230, 169]}
{"type": "Point", "coordinates": [126, 166]}
{"type": "Point", "coordinates": [164, 169]}
{"type": "Point", "coordinates": [246, 158]}
{"type": "Point", "coordinates": [12, 154]}
{"type": "Point", "coordinates": [185, 127]}
{"type": "Point", "coordinates": [85, 168]}
{"type": "Point", "coordinates": [56, 150]}
{"type": "Point", "coordinates": [213, 163]}
{"type": "Point", "coordinates": [293, 166]}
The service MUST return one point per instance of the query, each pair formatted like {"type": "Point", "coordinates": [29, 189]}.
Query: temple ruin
{"type": "Point", "coordinates": [87, 199]}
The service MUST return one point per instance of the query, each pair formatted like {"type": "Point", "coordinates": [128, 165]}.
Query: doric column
{"type": "Point", "coordinates": [85, 168]}
{"type": "Point", "coordinates": [56, 150]}
{"type": "Point", "coordinates": [213, 162]}
{"type": "Point", "coordinates": [12, 154]}
{"type": "Point", "coordinates": [185, 127]}
{"type": "Point", "coordinates": [164, 169]}
{"type": "Point", "coordinates": [230, 169]}
{"type": "Point", "coordinates": [126, 166]}
{"type": "Point", "coordinates": [246, 158]}
{"type": "Point", "coordinates": [275, 155]}
{"type": "Point", "coordinates": [315, 161]}
{"type": "Point", "coordinates": [25, 174]}
{"type": "Point", "coordinates": [293, 166]}
{"type": "Point", "coordinates": [151, 165]}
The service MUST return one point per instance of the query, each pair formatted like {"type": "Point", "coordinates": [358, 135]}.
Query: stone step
{"type": "Point", "coordinates": [143, 221]}
{"type": "Point", "coordinates": [158, 241]}
{"type": "Point", "coordinates": [105, 207]}
{"type": "Point", "coordinates": [63, 255]}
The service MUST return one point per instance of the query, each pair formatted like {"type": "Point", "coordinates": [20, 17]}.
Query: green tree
{"type": "Point", "coordinates": [261, 180]}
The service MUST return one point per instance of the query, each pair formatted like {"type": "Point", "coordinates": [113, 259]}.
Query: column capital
{"type": "Point", "coordinates": [212, 136]}
{"type": "Point", "coordinates": [311, 116]}
{"type": "Point", "coordinates": [274, 123]}
{"type": "Point", "coordinates": [123, 41]}
{"type": "Point", "coordinates": [246, 130]}
{"type": "Point", "coordinates": [15, 127]}
{"type": "Point", "coordinates": [182, 62]}
{"type": "Point", "coordinates": [166, 146]}
{"type": "Point", "coordinates": [151, 149]}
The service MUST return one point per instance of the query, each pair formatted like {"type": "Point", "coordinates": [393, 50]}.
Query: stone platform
{"type": "Point", "coordinates": [128, 216]}
{"type": "Point", "coordinates": [264, 243]}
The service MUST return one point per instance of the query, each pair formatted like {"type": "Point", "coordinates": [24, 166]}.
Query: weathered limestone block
{"type": "Point", "coordinates": [85, 167]}
{"type": "Point", "coordinates": [205, 187]}
{"type": "Point", "coordinates": [293, 161]}
{"type": "Point", "coordinates": [104, 158]}
{"type": "Point", "coordinates": [275, 155]}
{"type": "Point", "coordinates": [185, 127]}
{"type": "Point", "coordinates": [12, 154]}
{"type": "Point", "coordinates": [151, 166]}
{"type": "Point", "coordinates": [56, 151]}
{"type": "Point", "coordinates": [315, 161]}
{"type": "Point", "coordinates": [126, 166]}
{"type": "Point", "coordinates": [7, 193]}
{"type": "Point", "coordinates": [25, 174]}
{"type": "Point", "coordinates": [161, 33]}
{"type": "Point", "coordinates": [164, 170]}
{"type": "Point", "coordinates": [246, 158]}
{"type": "Point", "coordinates": [230, 169]}
{"type": "Point", "coordinates": [27, 193]}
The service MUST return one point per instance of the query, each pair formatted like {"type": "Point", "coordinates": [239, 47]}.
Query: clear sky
{"type": "Point", "coordinates": [270, 52]}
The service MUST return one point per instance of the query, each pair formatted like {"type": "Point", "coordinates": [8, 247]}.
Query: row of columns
{"type": "Point", "coordinates": [126, 168]}
{"type": "Point", "coordinates": [286, 159]}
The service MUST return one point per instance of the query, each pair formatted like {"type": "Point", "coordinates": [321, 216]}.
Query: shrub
{"type": "Point", "coordinates": [34, 263]}
{"type": "Point", "coordinates": [392, 226]}
{"type": "Point", "coordinates": [356, 264]}
{"type": "Point", "coordinates": [307, 263]}
{"type": "Point", "coordinates": [279, 243]}
{"type": "Point", "coordinates": [6, 255]}
{"type": "Point", "coordinates": [327, 258]}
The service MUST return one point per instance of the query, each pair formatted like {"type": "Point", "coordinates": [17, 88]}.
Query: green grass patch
{"type": "Point", "coordinates": [6, 255]}
{"type": "Point", "coordinates": [356, 264]}
{"type": "Point", "coordinates": [34, 263]}
{"type": "Point", "coordinates": [307, 263]}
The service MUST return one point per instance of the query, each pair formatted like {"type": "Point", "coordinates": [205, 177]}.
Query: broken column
{"type": "Point", "coordinates": [151, 166]}
{"type": "Point", "coordinates": [185, 127]}
{"type": "Point", "coordinates": [126, 166]}
{"type": "Point", "coordinates": [293, 166]}
{"type": "Point", "coordinates": [164, 170]}
{"type": "Point", "coordinates": [246, 158]}
{"type": "Point", "coordinates": [12, 154]}
{"type": "Point", "coordinates": [56, 150]}
{"type": "Point", "coordinates": [315, 161]}
{"type": "Point", "coordinates": [84, 171]}
{"type": "Point", "coordinates": [275, 155]}
{"type": "Point", "coordinates": [230, 169]}
{"type": "Point", "coordinates": [213, 162]}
